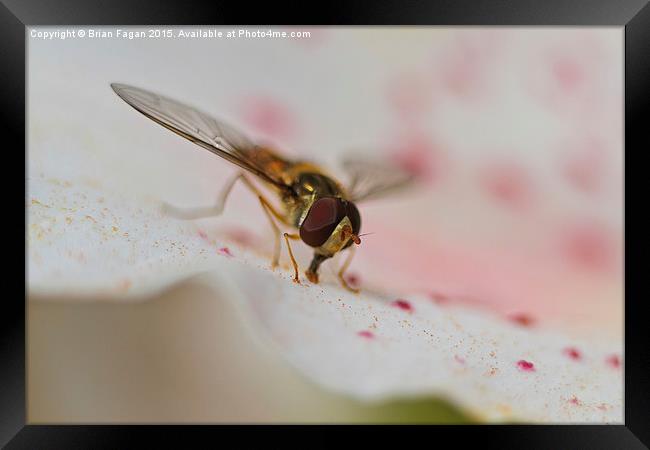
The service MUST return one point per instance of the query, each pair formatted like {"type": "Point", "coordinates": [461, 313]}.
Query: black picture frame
{"type": "Point", "coordinates": [634, 15]}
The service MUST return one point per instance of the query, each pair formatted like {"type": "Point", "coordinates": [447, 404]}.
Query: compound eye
{"type": "Point", "coordinates": [355, 218]}
{"type": "Point", "coordinates": [322, 218]}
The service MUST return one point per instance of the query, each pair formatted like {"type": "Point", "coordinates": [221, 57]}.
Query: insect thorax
{"type": "Point", "coordinates": [308, 187]}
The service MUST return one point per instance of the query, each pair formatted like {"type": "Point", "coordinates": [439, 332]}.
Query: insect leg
{"type": "Point", "coordinates": [273, 211]}
{"type": "Point", "coordinates": [202, 212]}
{"type": "Point", "coordinates": [270, 212]}
{"type": "Point", "coordinates": [295, 237]}
{"type": "Point", "coordinates": [343, 268]}
{"type": "Point", "coordinates": [276, 231]}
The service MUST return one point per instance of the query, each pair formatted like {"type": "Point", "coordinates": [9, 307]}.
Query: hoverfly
{"type": "Point", "coordinates": [314, 203]}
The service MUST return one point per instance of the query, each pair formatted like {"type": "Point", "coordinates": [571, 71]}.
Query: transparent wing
{"type": "Point", "coordinates": [202, 129]}
{"type": "Point", "coordinates": [371, 179]}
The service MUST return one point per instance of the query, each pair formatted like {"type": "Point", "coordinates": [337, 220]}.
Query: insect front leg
{"type": "Point", "coordinates": [342, 270]}
{"type": "Point", "coordinates": [203, 212]}
{"type": "Point", "coordinates": [295, 237]}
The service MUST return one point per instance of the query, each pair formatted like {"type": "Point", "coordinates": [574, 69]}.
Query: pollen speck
{"type": "Point", "coordinates": [124, 285]}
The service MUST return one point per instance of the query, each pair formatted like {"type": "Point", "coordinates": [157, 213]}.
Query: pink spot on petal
{"type": "Point", "coordinates": [589, 246]}
{"type": "Point", "coordinates": [459, 79]}
{"type": "Point", "coordinates": [353, 279]}
{"type": "Point", "coordinates": [573, 353]}
{"type": "Point", "coordinates": [522, 319]}
{"type": "Point", "coordinates": [461, 74]}
{"type": "Point", "coordinates": [403, 305]}
{"type": "Point", "coordinates": [613, 361]}
{"type": "Point", "coordinates": [568, 74]}
{"type": "Point", "coordinates": [574, 401]}
{"type": "Point", "coordinates": [409, 95]}
{"type": "Point", "coordinates": [240, 236]}
{"type": "Point", "coordinates": [459, 359]}
{"type": "Point", "coordinates": [269, 117]}
{"type": "Point", "coordinates": [419, 156]}
{"type": "Point", "coordinates": [439, 298]}
{"type": "Point", "coordinates": [525, 366]}
{"type": "Point", "coordinates": [586, 164]}
{"type": "Point", "coordinates": [584, 173]}
{"type": "Point", "coordinates": [203, 235]}
{"type": "Point", "coordinates": [462, 71]}
{"type": "Point", "coordinates": [226, 252]}
{"type": "Point", "coordinates": [509, 185]}
{"type": "Point", "coordinates": [366, 334]}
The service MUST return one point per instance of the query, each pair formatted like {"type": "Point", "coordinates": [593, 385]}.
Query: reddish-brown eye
{"type": "Point", "coordinates": [323, 217]}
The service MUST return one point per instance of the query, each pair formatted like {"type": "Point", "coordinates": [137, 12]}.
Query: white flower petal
{"type": "Point", "coordinates": [84, 241]}
{"type": "Point", "coordinates": [370, 348]}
